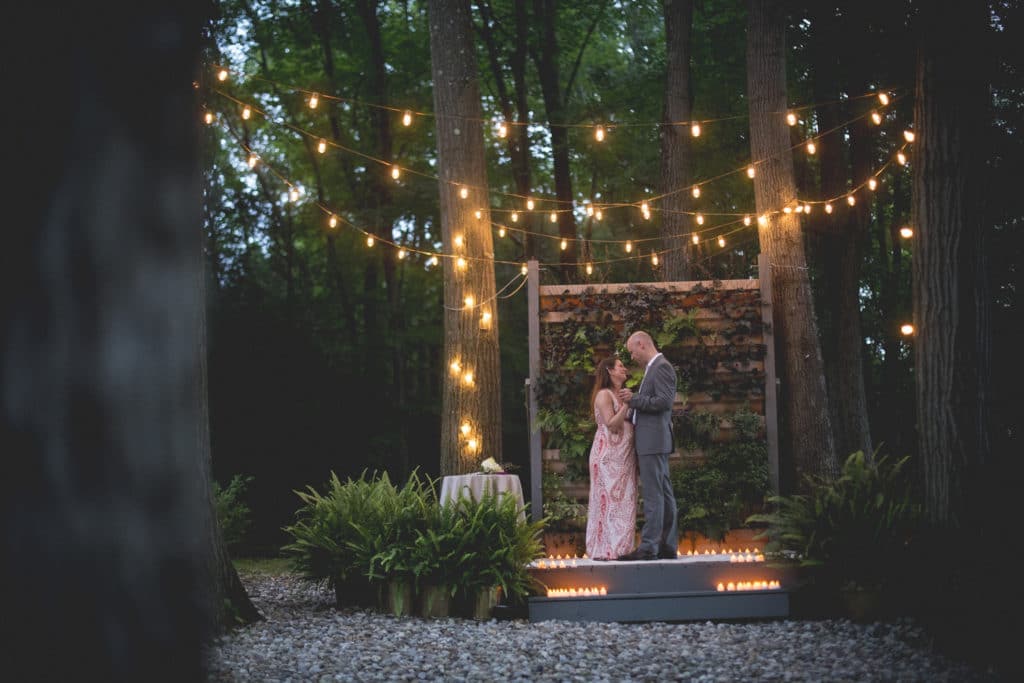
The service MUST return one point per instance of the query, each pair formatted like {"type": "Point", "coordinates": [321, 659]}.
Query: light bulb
{"type": "Point", "coordinates": [791, 118]}
{"type": "Point", "coordinates": [471, 444]}
{"type": "Point", "coordinates": [293, 194]}
{"type": "Point", "coordinates": [485, 320]}
{"type": "Point", "coordinates": [799, 208]}
{"type": "Point", "coordinates": [902, 158]}
{"type": "Point", "coordinates": [396, 172]}
{"type": "Point", "coordinates": [332, 221]}
{"type": "Point", "coordinates": [746, 220]}
{"type": "Point", "coordinates": [565, 244]}
{"type": "Point", "coordinates": [524, 270]}
{"type": "Point", "coordinates": [456, 367]}
{"type": "Point", "coordinates": [407, 118]}
{"type": "Point", "coordinates": [876, 118]}
{"type": "Point", "coordinates": [515, 217]}
{"type": "Point", "coordinates": [401, 254]}
{"type": "Point", "coordinates": [469, 301]}
{"type": "Point", "coordinates": [590, 209]}
{"type": "Point", "coordinates": [787, 209]}
{"type": "Point", "coordinates": [252, 160]}
{"type": "Point", "coordinates": [432, 261]}
{"type": "Point", "coordinates": [629, 246]}
{"type": "Point", "coordinates": [906, 329]}
{"type": "Point", "coordinates": [599, 215]}
{"type": "Point", "coordinates": [807, 208]}
{"type": "Point", "coordinates": [458, 240]}
{"type": "Point", "coordinates": [654, 259]}
{"type": "Point", "coordinates": [700, 219]}
{"type": "Point", "coordinates": [467, 378]}
{"type": "Point", "coordinates": [463, 192]}
{"type": "Point", "coordinates": [695, 238]}
{"type": "Point", "coordinates": [502, 130]}
{"type": "Point", "coordinates": [553, 217]}
{"type": "Point", "coordinates": [590, 269]}
{"type": "Point", "coordinates": [828, 207]}
{"type": "Point", "coordinates": [599, 133]}
{"type": "Point", "coordinates": [851, 200]}
{"type": "Point", "coordinates": [246, 113]}
{"type": "Point", "coordinates": [322, 146]}
{"type": "Point", "coordinates": [721, 241]}
{"type": "Point", "coordinates": [762, 219]}
{"type": "Point", "coordinates": [501, 231]}
{"type": "Point", "coordinates": [696, 191]}
{"type": "Point", "coordinates": [460, 263]}
{"type": "Point", "coordinates": [908, 135]}
{"type": "Point", "coordinates": [872, 183]}
{"type": "Point", "coordinates": [695, 130]}
{"type": "Point", "coordinates": [478, 214]}
{"type": "Point", "coordinates": [313, 101]}
{"type": "Point", "coordinates": [883, 98]}
{"type": "Point", "coordinates": [370, 241]}
{"type": "Point", "coordinates": [222, 75]}
{"type": "Point", "coordinates": [644, 208]}
{"type": "Point", "coordinates": [750, 171]}
{"type": "Point", "coordinates": [529, 205]}
{"type": "Point", "coordinates": [811, 147]}
{"type": "Point", "coordinates": [209, 118]}
{"type": "Point", "coordinates": [906, 232]}
{"type": "Point", "coordinates": [465, 429]}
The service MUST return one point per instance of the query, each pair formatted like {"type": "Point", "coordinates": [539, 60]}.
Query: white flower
{"type": "Point", "coordinates": [490, 466]}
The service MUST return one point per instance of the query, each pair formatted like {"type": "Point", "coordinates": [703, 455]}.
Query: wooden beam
{"type": "Point", "coordinates": [533, 311]}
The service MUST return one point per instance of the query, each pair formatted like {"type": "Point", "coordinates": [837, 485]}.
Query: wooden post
{"type": "Point", "coordinates": [770, 408]}
{"type": "Point", "coordinates": [536, 463]}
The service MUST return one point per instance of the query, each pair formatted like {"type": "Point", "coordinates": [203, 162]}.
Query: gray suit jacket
{"type": "Point", "coordinates": [653, 406]}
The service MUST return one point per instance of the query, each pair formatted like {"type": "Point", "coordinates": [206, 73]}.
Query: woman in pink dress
{"type": "Point", "coordinates": [611, 513]}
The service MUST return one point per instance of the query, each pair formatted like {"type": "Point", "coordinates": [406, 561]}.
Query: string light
{"type": "Point", "coordinates": [222, 75]}
{"type": "Point", "coordinates": [502, 130]}
{"type": "Point", "coordinates": [313, 101]}
{"type": "Point", "coordinates": [906, 232]}
{"type": "Point", "coordinates": [751, 172]}
{"type": "Point", "coordinates": [553, 217]}
{"type": "Point", "coordinates": [644, 208]}
{"type": "Point", "coordinates": [432, 261]}
{"type": "Point", "coordinates": [322, 147]}
{"type": "Point", "coordinates": [762, 219]}
{"type": "Point", "coordinates": [485, 320]}
{"type": "Point", "coordinates": [883, 98]}
{"type": "Point", "coordinates": [599, 133]}
{"type": "Point", "coordinates": [456, 367]}
{"type": "Point", "coordinates": [565, 244]}
{"type": "Point", "coordinates": [463, 192]}
{"type": "Point", "coordinates": [590, 269]}
{"type": "Point", "coordinates": [799, 208]}
{"type": "Point", "coordinates": [599, 215]}
{"type": "Point", "coordinates": [471, 444]}
{"type": "Point", "coordinates": [700, 219]}
{"type": "Point", "coordinates": [458, 240]}
{"type": "Point", "coordinates": [851, 200]}
{"type": "Point", "coordinates": [811, 147]}
{"type": "Point", "coordinates": [515, 217]}
{"type": "Point", "coordinates": [828, 207]}
{"type": "Point", "coordinates": [246, 112]}
{"type": "Point", "coordinates": [253, 159]}
{"type": "Point", "coordinates": [465, 429]}
{"type": "Point", "coordinates": [872, 184]}
{"type": "Point", "coordinates": [501, 231]}
{"type": "Point", "coordinates": [478, 214]}
{"type": "Point", "coordinates": [629, 246]}
{"type": "Point", "coordinates": [906, 329]}
{"type": "Point", "coordinates": [469, 301]}
{"type": "Point", "coordinates": [460, 263]}
{"type": "Point", "coordinates": [332, 221]}
{"type": "Point", "coordinates": [791, 118]}
{"type": "Point", "coordinates": [524, 270]}
{"type": "Point", "coordinates": [908, 135]}
{"type": "Point", "coordinates": [208, 117]}
{"type": "Point", "coordinates": [590, 209]}
{"type": "Point", "coordinates": [787, 209]}
{"type": "Point", "coordinates": [876, 118]}
{"type": "Point", "coordinates": [807, 209]}
{"type": "Point", "coordinates": [696, 191]}
{"type": "Point", "coordinates": [396, 172]}
{"type": "Point", "coordinates": [293, 194]}
{"type": "Point", "coordinates": [370, 241]}
{"type": "Point", "coordinates": [902, 158]}
{"type": "Point", "coordinates": [695, 130]}
{"type": "Point", "coordinates": [467, 379]}
{"type": "Point", "coordinates": [721, 242]}
{"type": "Point", "coordinates": [746, 220]}
{"type": "Point", "coordinates": [401, 254]}
{"type": "Point", "coordinates": [407, 118]}
{"type": "Point", "coordinates": [529, 204]}
{"type": "Point", "coordinates": [654, 258]}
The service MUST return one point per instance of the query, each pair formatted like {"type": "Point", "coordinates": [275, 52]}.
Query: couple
{"type": "Point", "coordinates": [632, 429]}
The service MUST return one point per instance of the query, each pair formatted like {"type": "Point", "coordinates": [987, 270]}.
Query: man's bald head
{"type": "Point", "coordinates": [641, 347]}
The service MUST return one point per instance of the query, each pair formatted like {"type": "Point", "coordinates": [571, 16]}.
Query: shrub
{"type": "Point", "coordinates": [853, 532]}
{"type": "Point", "coordinates": [233, 515]}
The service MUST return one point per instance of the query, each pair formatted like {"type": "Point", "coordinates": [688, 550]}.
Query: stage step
{"type": "Point", "coordinates": [736, 586]}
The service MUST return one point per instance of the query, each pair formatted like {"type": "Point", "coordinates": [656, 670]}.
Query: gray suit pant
{"type": "Point", "coordinates": [659, 504]}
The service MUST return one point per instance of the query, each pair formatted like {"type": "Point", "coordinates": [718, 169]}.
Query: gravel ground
{"type": "Point", "coordinates": [306, 639]}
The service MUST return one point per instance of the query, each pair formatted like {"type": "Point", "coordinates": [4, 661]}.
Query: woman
{"type": "Point", "coordinates": [611, 513]}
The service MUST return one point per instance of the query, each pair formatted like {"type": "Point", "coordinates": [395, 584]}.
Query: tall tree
{"type": "Point", "coordinates": [805, 425]}
{"type": "Point", "coordinates": [952, 345]}
{"type": "Point", "coordinates": [106, 515]}
{"type": "Point", "coordinates": [471, 399]}
{"type": "Point", "coordinates": [676, 139]}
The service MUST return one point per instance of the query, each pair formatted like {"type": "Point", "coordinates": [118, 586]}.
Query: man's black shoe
{"type": "Point", "coordinates": [636, 556]}
{"type": "Point", "coordinates": [666, 553]}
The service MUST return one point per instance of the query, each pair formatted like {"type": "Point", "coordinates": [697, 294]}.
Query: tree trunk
{"type": "Point", "coordinates": [546, 14]}
{"type": "Point", "coordinates": [471, 328]}
{"type": "Point", "coordinates": [105, 524]}
{"type": "Point", "coordinates": [676, 140]}
{"type": "Point", "coordinates": [842, 339]}
{"type": "Point", "coordinates": [953, 336]}
{"type": "Point", "coordinates": [805, 427]}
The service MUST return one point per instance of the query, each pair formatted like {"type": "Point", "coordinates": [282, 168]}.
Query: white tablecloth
{"type": "Point", "coordinates": [473, 485]}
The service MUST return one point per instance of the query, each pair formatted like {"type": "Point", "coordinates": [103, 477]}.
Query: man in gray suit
{"type": "Point", "coordinates": [651, 409]}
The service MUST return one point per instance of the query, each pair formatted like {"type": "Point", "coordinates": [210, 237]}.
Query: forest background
{"type": "Point", "coordinates": [326, 354]}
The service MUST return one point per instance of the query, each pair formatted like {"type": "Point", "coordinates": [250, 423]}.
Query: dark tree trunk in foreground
{"type": "Point", "coordinates": [952, 344]}
{"type": "Point", "coordinates": [676, 141]}
{"type": "Point", "coordinates": [105, 500]}
{"type": "Point", "coordinates": [805, 427]}
{"type": "Point", "coordinates": [470, 328]}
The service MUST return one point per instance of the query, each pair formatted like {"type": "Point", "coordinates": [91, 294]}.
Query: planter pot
{"type": "Point", "coordinates": [485, 601]}
{"type": "Point", "coordinates": [399, 598]}
{"type": "Point", "coordinates": [435, 601]}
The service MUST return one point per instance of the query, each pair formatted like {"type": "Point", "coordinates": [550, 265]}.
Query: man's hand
{"type": "Point", "coordinates": [625, 395]}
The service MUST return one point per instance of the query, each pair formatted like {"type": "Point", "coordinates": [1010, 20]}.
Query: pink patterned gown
{"type": "Point", "coordinates": [611, 513]}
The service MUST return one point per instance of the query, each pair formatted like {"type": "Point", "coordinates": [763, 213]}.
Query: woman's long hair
{"type": "Point", "coordinates": [602, 377]}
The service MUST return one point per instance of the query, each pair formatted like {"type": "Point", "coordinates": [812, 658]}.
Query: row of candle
{"type": "Point", "coordinates": [748, 586]}
{"type": "Point", "coordinates": [587, 592]}
{"type": "Point", "coordinates": [729, 551]}
{"type": "Point", "coordinates": [559, 564]}
{"type": "Point", "coordinates": [749, 557]}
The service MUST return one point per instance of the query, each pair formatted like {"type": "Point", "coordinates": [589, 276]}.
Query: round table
{"type": "Point", "coordinates": [473, 485]}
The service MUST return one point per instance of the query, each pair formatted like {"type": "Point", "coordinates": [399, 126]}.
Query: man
{"type": "Point", "coordinates": [651, 408]}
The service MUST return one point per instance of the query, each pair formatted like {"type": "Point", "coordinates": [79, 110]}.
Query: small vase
{"type": "Point", "coordinates": [435, 602]}
{"type": "Point", "coordinates": [399, 598]}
